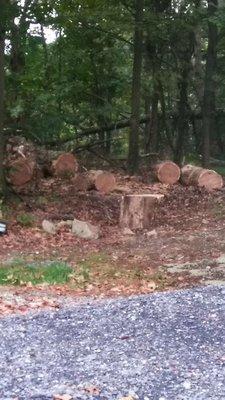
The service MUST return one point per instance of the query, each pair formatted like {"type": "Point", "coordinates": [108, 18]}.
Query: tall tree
{"type": "Point", "coordinates": [2, 91]}
{"type": "Point", "coordinates": [133, 156]}
{"type": "Point", "coordinates": [209, 98]}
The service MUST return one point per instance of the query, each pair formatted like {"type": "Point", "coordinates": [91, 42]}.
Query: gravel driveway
{"type": "Point", "coordinates": [162, 346]}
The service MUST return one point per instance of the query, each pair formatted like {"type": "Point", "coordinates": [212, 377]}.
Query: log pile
{"type": "Point", "coordinates": [21, 163]}
{"type": "Point", "coordinates": [26, 164]}
{"type": "Point", "coordinates": [102, 181]}
{"type": "Point", "coordinates": [201, 177]}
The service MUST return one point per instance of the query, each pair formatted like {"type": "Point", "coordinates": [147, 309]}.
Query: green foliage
{"type": "Point", "coordinates": [25, 220]}
{"type": "Point", "coordinates": [19, 273]}
{"type": "Point", "coordinates": [83, 78]}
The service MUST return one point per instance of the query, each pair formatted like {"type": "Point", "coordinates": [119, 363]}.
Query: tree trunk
{"type": "Point", "coordinates": [133, 156]}
{"type": "Point", "coordinates": [137, 210]}
{"type": "Point", "coordinates": [2, 85]}
{"type": "Point", "coordinates": [182, 116]}
{"type": "Point", "coordinates": [208, 108]}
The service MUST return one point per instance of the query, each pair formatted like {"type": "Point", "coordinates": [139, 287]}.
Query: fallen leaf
{"type": "Point", "coordinates": [62, 397]}
{"type": "Point", "coordinates": [92, 390]}
{"type": "Point", "coordinates": [151, 285]}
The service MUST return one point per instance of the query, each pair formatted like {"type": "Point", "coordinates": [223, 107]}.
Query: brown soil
{"type": "Point", "coordinates": [188, 226]}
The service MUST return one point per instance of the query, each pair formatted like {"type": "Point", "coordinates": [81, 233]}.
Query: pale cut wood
{"type": "Point", "coordinates": [167, 172]}
{"type": "Point", "coordinates": [20, 172]}
{"type": "Point", "coordinates": [65, 165]}
{"type": "Point", "coordinates": [137, 210]}
{"type": "Point", "coordinates": [201, 177]}
{"type": "Point", "coordinates": [103, 181]}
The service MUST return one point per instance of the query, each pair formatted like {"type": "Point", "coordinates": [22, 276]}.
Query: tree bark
{"type": "Point", "coordinates": [197, 176]}
{"type": "Point", "coordinates": [133, 155]}
{"type": "Point", "coordinates": [208, 108]}
{"type": "Point", "coordinates": [2, 90]}
{"type": "Point", "coordinates": [182, 115]}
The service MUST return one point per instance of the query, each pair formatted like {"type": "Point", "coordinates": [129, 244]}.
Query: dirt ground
{"type": "Point", "coordinates": [183, 247]}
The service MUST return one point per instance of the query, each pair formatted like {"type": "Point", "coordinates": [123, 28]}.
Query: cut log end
{"type": "Point", "coordinates": [103, 181]}
{"type": "Point", "coordinates": [167, 172]}
{"type": "Point", "coordinates": [210, 180]}
{"type": "Point", "coordinates": [20, 172]}
{"type": "Point", "coordinates": [66, 165]}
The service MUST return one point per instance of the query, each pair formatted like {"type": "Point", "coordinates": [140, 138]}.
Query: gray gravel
{"type": "Point", "coordinates": [162, 346]}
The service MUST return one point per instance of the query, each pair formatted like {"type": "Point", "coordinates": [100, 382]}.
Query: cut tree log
{"type": "Point", "coordinates": [167, 172]}
{"type": "Point", "coordinates": [20, 172]}
{"type": "Point", "coordinates": [81, 182]}
{"type": "Point", "coordinates": [103, 181]}
{"type": "Point", "coordinates": [137, 210]}
{"type": "Point", "coordinates": [197, 176]}
{"type": "Point", "coordinates": [65, 165]}
{"type": "Point", "coordinates": [21, 164]}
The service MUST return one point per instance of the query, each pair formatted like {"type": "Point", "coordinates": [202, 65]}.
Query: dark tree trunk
{"type": "Point", "coordinates": [2, 84]}
{"type": "Point", "coordinates": [183, 120]}
{"type": "Point", "coordinates": [133, 156]}
{"type": "Point", "coordinates": [208, 108]}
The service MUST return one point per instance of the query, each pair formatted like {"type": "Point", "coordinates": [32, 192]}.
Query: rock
{"type": "Point", "coordinates": [62, 397]}
{"type": "Point", "coordinates": [61, 224]}
{"type": "Point", "coordinates": [152, 233]}
{"type": "Point", "coordinates": [128, 231]}
{"type": "Point", "coordinates": [49, 227]}
{"type": "Point", "coordinates": [85, 230]}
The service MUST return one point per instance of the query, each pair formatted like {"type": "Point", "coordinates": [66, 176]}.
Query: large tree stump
{"type": "Point", "coordinates": [167, 172]}
{"type": "Point", "coordinates": [103, 181]}
{"type": "Point", "coordinates": [65, 165]}
{"type": "Point", "coordinates": [137, 210]}
{"type": "Point", "coordinates": [197, 176]}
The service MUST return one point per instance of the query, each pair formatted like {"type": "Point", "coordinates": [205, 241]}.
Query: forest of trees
{"type": "Point", "coordinates": [125, 77]}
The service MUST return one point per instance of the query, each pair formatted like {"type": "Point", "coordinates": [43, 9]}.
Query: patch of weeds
{"type": "Point", "coordinates": [82, 276]}
{"type": "Point", "coordinates": [55, 198]}
{"type": "Point", "coordinates": [160, 279]}
{"type": "Point", "coordinates": [19, 273]}
{"type": "Point", "coordinates": [218, 210]}
{"type": "Point", "coordinates": [25, 220]}
{"type": "Point", "coordinates": [41, 201]}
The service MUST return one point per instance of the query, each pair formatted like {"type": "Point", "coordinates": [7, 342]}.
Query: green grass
{"type": "Point", "coordinates": [25, 220]}
{"type": "Point", "coordinates": [20, 273]}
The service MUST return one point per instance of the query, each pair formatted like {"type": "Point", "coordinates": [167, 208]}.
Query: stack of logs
{"type": "Point", "coordinates": [189, 175]}
{"type": "Point", "coordinates": [25, 164]}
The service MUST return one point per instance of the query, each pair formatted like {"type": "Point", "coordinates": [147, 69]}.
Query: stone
{"type": "Point", "coordinates": [49, 227]}
{"type": "Point", "coordinates": [128, 232]}
{"type": "Point", "coordinates": [61, 224]}
{"type": "Point", "coordinates": [85, 230]}
{"type": "Point", "coordinates": [152, 233]}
